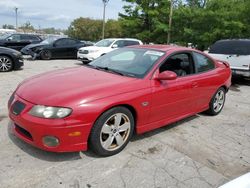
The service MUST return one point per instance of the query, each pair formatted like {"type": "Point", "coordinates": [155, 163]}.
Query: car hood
{"type": "Point", "coordinates": [75, 86]}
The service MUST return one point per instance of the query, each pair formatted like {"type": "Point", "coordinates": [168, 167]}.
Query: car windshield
{"type": "Point", "coordinates": [133, 62]}
{"type": "Point", "coordinates": [4, 36]}
{"type": "Point", "coordinates": [104, 43]}
{"type": "Point", "coordinates": [49, 40]}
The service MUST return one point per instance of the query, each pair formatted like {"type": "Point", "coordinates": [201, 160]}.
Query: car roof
{"type": "Point", "coordinates": [123, 39]}
{"type": "Point", "coordinates": [161, 47]}
{"type": "Point", "coordinates": [228, 40]}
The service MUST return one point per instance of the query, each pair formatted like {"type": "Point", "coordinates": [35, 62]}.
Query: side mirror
{"type": "Point", "coordinates": [115, 46]}
{"type": "Point", "coordinates": [166, 75]}
{"type": "Point", "coordinates": [9, 39]}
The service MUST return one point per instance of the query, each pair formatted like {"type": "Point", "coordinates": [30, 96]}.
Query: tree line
{"type": "Point", "coordinates": [201, 22]}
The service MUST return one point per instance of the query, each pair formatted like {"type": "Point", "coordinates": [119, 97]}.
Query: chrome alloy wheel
{"type": "Point", "coordinates": [219, 101]}
{"type": "Point", "coordinates": [5, 64]}
{"type": "Point", "coordinates": [115, 131]}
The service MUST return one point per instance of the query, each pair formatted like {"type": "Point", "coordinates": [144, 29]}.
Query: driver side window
{"type": "Point", "coordinates": [119, 43]}
{"type": "Point", "coordinates": [61, 42]}
{"type": "Point", "coordinates": [14, 38]}
{"type": "Point", "coordinates": [181, 64]}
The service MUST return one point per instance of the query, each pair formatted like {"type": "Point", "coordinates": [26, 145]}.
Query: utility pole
{"type": "Point", "coordinates": [170, 21]}
{"type": "Point", "coordinates": [16, 9]}
{"type": "Point", "coordinates": [105, 2]}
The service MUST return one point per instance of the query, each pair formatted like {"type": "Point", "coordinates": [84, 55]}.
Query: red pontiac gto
{"type": "Point", "coordinates": [102, 104]}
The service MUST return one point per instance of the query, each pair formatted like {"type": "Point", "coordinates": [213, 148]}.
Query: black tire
{"type": "Point", "coordinates": [216, 110]}
{"type": "Point", "coordinates": [97, 134]}
{"type": "Point", "coordinates": [45, 55]}
{"type": "Point", "coordinates": [6, 64]}
{"type": "Point", "coordinates": [85, 62]}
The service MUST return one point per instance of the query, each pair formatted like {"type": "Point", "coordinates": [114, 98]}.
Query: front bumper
{"type": "Point", "coordinates": [32, 130]}
{"type": "Point", "coordinates": [87, 57]}
{"type": "Point", "coordinates": [27, 51]}
{"type": "Point", "coordinates": [238, 72]}
{"type": "Point", "coordinates": [18, 62]}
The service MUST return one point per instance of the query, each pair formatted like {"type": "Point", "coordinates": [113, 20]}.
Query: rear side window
{"type": "Point", "coordinates": [29, 38]}
{"type": "Point", "coordinates": [131, 43]}
{"type": "Point", "coordinates": [237, 47]}
{"type": "Point", "coordinates": [203, 63]}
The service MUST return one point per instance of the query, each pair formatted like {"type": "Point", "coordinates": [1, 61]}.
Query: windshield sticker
{"type": "Point", "coordinates": [151, 52]}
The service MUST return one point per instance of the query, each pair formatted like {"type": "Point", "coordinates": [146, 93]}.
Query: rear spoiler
{"type": "Point", "coordinates": [223, 62]}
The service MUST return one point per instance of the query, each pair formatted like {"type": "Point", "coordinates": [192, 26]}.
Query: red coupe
{"type": "Point", "coordinates": [130, 90]}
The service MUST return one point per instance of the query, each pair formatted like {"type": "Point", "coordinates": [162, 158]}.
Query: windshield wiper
{"type": "Point", "coordinates": [110, 70]}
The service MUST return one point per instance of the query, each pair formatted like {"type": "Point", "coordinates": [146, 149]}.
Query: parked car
{"type": "Point", "coordinates": [10, 59]}
{"type": "Point", "coordinates": [53, 48]}
{"type": "Point", "coordinates": [18, 41]}
{"type": "Point", "coordinates": [102, 47]}
{"type": "Point", "coordinates": [236, 52]}
{"type": "Point", "coordinates": [129, 90]}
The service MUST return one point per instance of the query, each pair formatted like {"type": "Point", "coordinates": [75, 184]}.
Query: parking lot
{"type": "Point", "coordinates": [200, 151]}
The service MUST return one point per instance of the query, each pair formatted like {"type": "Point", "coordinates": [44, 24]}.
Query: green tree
{"type": "Point", "coordinates": [27, 27]}
{"type": "Point", "coordinates": [146, 20]}
{"type": "Point", "coordinates": [7, 26]}
{"type": "Point", "coordinates": [200, 22]}
{"type": "Point", "coordinates": [85, 29]}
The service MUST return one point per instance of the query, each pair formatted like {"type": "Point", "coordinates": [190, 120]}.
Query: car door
{"type": "Point", "coordinates": [172, 99]}
{"type": "Point", "coordinates": [206, 80]}
{"type": "Point", "coordinates": [25, 40]}
{"type": "Point", "coordinates": [59, 48]}
{"type": "Point", "coordinates": [72, 47]}
{"type": "Point", "coordinates": [14, 42]}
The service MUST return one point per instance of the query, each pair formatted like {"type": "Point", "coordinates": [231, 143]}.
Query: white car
{"type": "Point", "coordinates": [87, 54]}
{"type": "Point", "coordinates": [236, 52]}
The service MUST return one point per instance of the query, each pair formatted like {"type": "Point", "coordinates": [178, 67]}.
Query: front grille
{"type": "Point", "coordinates": [23, 132]}
{"type": "Point", "coordinates": [18, 107]}
{"type": "Point", "coordinates": [83, 51]}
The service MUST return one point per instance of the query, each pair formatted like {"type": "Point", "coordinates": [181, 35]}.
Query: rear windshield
{"type": "Point", "coordinates": [231, 47]}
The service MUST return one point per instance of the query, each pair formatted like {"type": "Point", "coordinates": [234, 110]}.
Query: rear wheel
{"type": "Point", "coordinates": [217, 102]}
{"type": "Point", "coordinates": [45, 55]}
{"type": "Point", "coordinates": [112, 131]}
{"type": "Point", "coordinates": [6, 64]}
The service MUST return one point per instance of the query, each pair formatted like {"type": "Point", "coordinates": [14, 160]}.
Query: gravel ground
{"type": "Point", "coordinates": [200, 151]}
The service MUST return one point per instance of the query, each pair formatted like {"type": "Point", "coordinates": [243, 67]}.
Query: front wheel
{"type": "Point", "coordinates": [45, 55]}
{"type": "Point", "coordinates": [6, 64]}
{"type": "Point", "coordinates": [217, 102]}
{"type": "Point", "coordinates": [112, 131]}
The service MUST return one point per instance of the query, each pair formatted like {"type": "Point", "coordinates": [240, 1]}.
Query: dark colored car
{"type": "Point", "coordinates": [18, 41]}
{"type": "Point", "coordinates": [10, 59]}
{"type": "Point", "coordinates": [53, 48]}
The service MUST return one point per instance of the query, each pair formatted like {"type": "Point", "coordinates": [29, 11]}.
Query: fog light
{"type": "Point", "coordinates": [77, 133]}
{"type": "Point", "coordinates": [50, 141]}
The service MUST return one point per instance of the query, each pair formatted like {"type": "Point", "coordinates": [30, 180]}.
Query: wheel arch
{"type": "Point", "coordinates": [131, 108]}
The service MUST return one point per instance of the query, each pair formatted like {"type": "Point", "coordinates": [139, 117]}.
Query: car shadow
{"type": "Point", "coordinates": [46, 155]}
{"type": "Point", "coordinates": [237, 82]}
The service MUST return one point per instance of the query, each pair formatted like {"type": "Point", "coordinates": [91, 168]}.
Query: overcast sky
{"type": "Point", "coordinates": [55, 13]}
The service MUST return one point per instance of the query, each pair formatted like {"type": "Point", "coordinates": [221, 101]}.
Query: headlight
{"type": "Point", "coordinates": [50, 112]}
{"type": "Point", "coordinates": [16, 53]}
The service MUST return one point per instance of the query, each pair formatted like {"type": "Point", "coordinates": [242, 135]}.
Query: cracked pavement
{"type": "Point", "coordinates": [200, 151]}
